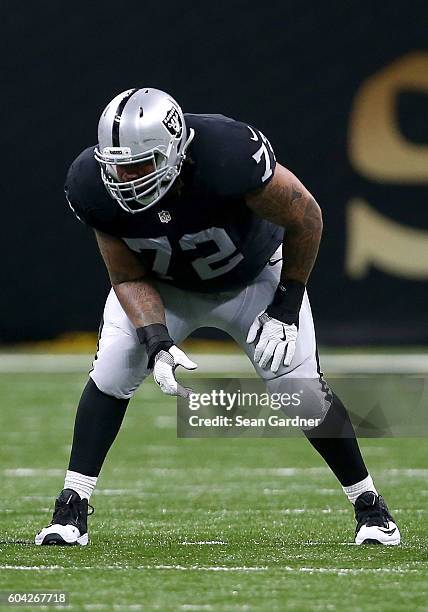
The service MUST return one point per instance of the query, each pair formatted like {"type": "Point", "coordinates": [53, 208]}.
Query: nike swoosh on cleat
{"type": "Point", "coordinates": [272, 263]}
{"type": "Point", "coordinates": [388, 531]}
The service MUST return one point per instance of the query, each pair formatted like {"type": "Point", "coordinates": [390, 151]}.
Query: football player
{"type": "Point", "coordinates": [189, 213]}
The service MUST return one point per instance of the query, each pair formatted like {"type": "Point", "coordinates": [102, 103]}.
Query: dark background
{"type": "Point", "coordinates": [292, 68]}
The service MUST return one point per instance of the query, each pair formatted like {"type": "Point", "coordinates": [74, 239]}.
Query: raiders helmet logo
{"type": "Point", "coordinates": [172, 122]}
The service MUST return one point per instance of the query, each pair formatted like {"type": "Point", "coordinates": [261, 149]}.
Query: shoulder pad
{"type": "Point", "coordinates": [231, 158]}
{"type": "Point", "coordinates": [86, 194]}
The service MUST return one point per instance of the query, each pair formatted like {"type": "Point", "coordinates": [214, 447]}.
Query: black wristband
{"type": "Point", "coordinates": [287, 301]}
{"type": "Point", "coordinates": [155, 338]}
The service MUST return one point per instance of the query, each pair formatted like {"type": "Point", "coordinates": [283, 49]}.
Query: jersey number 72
{"type": "Point", "coordinates": [216, 264]}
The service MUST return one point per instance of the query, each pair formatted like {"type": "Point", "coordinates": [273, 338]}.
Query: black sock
{"type": "Point", "coordinates": [98, 420]}
{"type": "Point", "coordinates": [337, 444]}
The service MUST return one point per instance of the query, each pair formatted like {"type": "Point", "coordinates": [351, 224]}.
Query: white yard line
{"type": "Point", "coordinates": [356, 363]}
{"type": "Point", "coordinates": [342, 571]}
{"type": "Point", "coordinates": [27, 472]}
{"type": "Point", "coordinates": [35, 568]}
{"type": "Point", "coordinates": [200, 568]}
{"type": "Point", "coordinates": [354, 571]}
{"type": "Point", "coordinates": [27, 362]}
{"type": "Point", "coordinates": [203, 568]}
{"type": "Point", "coordinates": [203, 543]}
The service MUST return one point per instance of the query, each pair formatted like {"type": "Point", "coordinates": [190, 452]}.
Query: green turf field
{"type": "Point", "coordinates": [200, 525]}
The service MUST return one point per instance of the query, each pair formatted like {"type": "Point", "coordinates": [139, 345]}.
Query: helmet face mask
{"type": "Point", "coordinates": [137, 194]}
{"type": "Point", "coordinates": [141, 126]}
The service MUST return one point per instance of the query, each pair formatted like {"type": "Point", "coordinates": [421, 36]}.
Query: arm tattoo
{"type": "Point", "coordinates": [301, 241]}
{"type": "Point", "coordinates": [296, 194]}
{"type": "Point", "coordinates": [141, 302]}
{"type": "Point", "coordinates": [286, 202]}
{"type": "Point", "coordinates": [134, 289]}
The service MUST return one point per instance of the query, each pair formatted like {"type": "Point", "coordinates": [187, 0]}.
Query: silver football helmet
{"type": "Point", "coordinates": [137, 126]}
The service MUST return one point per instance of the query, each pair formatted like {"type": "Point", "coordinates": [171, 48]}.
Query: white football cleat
{"type": "Point", "coordinates": [375, 525]}
{"type": "Point", "coordinates": [68, 526]}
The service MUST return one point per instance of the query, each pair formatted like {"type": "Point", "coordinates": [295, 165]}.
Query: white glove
{"type": "Point", "coordinates": [277, 341]}
{"type": "Point", "coordinates": [164, 370]}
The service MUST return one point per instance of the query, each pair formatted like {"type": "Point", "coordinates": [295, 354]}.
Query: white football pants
{"type": "Point", "coordinates": [120, 363]}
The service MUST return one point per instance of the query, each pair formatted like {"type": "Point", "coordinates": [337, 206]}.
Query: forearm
{"type": "Point", "coordinates": [286, 202]}
{"type": "Point", "coordinates": [141, 301]}
{"type": "Point", "coordinates": [301, 241]}
{"type": "Point", "coordinates": [137, 295]}
{"type": "Point", "coordinates": [144, 307]}
{"type": "Point", "coordinates": [300, 249]}
{"type": "Point", "coordinates": [133, 286]}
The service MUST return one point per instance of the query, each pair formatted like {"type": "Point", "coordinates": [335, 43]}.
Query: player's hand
{"type": "Point", "coordinates": [276, 344]}
{"type": "Point", "coordinates": [165, 364]}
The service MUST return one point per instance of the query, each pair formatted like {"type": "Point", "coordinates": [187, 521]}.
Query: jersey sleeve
{"type": "Point", "coordinates": [86, 194]}
{"type": "Point", "coordinates": [236, 157]}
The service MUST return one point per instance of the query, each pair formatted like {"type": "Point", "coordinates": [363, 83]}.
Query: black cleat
{"type": "Point", "coordinates": [375, 525]}
{"type": "Point", "coordinates": [68, 526]}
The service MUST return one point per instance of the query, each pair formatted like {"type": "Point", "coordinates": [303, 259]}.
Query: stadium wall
{"type": "Point", "coordinates": [340, 89]}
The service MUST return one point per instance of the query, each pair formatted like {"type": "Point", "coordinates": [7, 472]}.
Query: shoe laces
{"type": "Point", "coordinates": [375, 514]}
{"type": "Point", "coordinates": [69, 511]}
{"type": "Point", "coordinates": [65, 512]}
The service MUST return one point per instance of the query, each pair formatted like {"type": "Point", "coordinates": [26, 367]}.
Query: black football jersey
{"type": "Point", "coordinates": [203, 237]}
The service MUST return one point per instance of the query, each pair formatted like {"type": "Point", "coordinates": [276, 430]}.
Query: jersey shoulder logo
{"type": "Point", "coordinates": [172, 122]}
